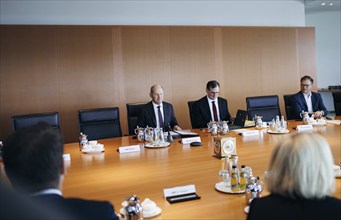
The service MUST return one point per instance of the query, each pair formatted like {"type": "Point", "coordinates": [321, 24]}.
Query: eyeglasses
{"type": "Point", "coordinates": [305, 85]}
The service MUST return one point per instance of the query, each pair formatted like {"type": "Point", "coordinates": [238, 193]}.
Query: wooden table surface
{"type": "Point", "coordinates": [113, 176]}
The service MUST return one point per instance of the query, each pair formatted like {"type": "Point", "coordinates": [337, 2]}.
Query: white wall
{"type": "Point", "coordinates": [327, 28]}
{"type": "Point", "coordinates": [162, 12]}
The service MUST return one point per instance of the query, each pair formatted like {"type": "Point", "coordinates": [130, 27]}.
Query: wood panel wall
{"type": "Point", "coordinates": [68, 68]}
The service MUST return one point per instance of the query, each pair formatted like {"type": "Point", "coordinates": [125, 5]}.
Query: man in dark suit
{"type": "Point", "coordinates": [33, 161]}
{"type": "Point", "coordinates": [308, 101]}
{"type": "Point", "coordinates": [210, 107]}
{"type": "Point", "coordinates": [157, 113]}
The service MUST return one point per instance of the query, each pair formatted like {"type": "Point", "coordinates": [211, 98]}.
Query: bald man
{"type": "Point", "coordinates": [157, 113]}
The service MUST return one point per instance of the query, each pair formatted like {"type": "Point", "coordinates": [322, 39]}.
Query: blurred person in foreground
{"type": "Point", "coordinates": [300, 180]}
{"type": "Point", "coordinates": [157, 113]}
{"type": "Point", "coordinates": [308, 101]}
{"type": "Point", "coordinates": [33, 161]}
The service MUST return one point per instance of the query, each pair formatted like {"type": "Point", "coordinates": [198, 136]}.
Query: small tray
{"type": "Point", "coordinates": [221, 187]}
{"type": "Point", "coordinates": [160, 145]}
{"type": "Point", "coordinates": [156, 212]}
{"type": "Point", "coordinates": [93, 151]}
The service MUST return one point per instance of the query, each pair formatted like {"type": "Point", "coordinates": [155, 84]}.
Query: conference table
{"type": "Point", "coordinates": [114, 176]}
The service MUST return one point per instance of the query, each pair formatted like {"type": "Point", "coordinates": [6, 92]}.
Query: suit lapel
{"type": "Point", "coordinates": [206, 107]}
{"type": "Point", "coordinates": [165, 114]}
{"type": "Point", "coordinates": [313, 101]}
{"type": "Point", "coordinates": [153, 114]}
{"type": "Point", "coordinates": [304, 102]}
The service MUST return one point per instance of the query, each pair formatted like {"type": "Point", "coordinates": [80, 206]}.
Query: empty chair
{"type": "Point", "coordinates": [100, 123]}
{"type": "Point", "coordinates": [133, 111]}
{"type": "Point", "coordinates": [266, 106]}
{"type": "Point", "coordinates": [190, 106]}
{"type": "Point", "coordinates": [20, 121]}
{"type": "Point", "coordinates": [289, 108]}
{"type": "Point", "coordinates": [337, 102]}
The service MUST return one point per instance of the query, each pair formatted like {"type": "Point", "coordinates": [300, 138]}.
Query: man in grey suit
{"type": "Point", "coordinates": [157, 113]}
{"type": "Point", "coordinates": [210, 107]}
{"type": "Point", "coordinates": [33, 161]}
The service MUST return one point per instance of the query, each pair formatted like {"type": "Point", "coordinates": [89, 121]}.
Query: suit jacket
{"type": "Point", "coordinates": [202, 113]}
{"type": "Point", "coordinates": [279, 207]}
{"type": "Point", "coordinates": [147, 116]}
{"type": "Point", "coordinates": [300, 104]}
{"type": "Point", "coordinates": [78, 208]}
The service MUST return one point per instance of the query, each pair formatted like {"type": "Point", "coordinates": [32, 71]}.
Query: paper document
{"type": "Point", "coordinates": [337, 122]}
{"type": "Point", "coordinates": [186, 133]}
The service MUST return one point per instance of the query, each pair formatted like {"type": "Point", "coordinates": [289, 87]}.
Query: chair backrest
{"type": "Point", "coordinates": [100, 123]}
{"type": "Point", "coordinates": [266, 106]}
{"type": "Point", "coordinates": [133, 111]}
{"type": "Point", "coordinates": [190, 109]}
{"type": "Point", "coordinates": [289, 108]}
{"type": "Point", "coordinates": [337, 102]}
{"type": "Point", "coordinates": [21, 121]}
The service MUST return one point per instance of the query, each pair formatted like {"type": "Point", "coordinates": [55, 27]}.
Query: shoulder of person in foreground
{"type": "Point", "coordinates": [80, 208]}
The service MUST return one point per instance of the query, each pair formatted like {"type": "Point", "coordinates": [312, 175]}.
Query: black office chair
{"type": "Point", "coordinates": [289, 108]}
{"type": "Point", "coordinates": [21, 121]}
{"type": "Point", "coordinates": [337, 103]}
{"type": "Point", "coordinates": [266, 106]}
{"type": "Point", "coordinates": [100, 123]}
{"type": "Point", "coordinates": [190, 109]}
{"type": "Point", "coordinates": [133, 111]}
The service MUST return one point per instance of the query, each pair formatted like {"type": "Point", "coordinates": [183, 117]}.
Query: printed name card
{"type": "Point", "coordinates": [180, 193]}
{"type": "Point", "coordinates": [250, 133]}
{"type": "Point", "coordinates": [66, 157]}
{"type": "Point", "coordinates": [128, 149]}
{"type": "Point", "coordinates": [190, 140]}
{"type": "Point", "coordinates": [304, 127]}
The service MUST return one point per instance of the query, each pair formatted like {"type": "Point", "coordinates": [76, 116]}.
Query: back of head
{"type": "Point", "coordinates": [33, 158]}
{"type": "Point", "coordinates": [301, 166]}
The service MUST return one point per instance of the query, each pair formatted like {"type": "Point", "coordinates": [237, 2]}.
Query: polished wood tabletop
{"type": "Point", "coordinates": [113, 176]}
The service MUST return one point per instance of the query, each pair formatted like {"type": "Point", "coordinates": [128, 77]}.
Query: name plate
{"type": "Point", "coordinates": [304, 127]}
{"type": "Point", "coordinates": [179, 190]}
{"type": "Point", "coordinates": [127, 149]}
{"type": "Point", "coordinates": [66, 157]}
{"type": "Point", "coordinates": [190, 140]}
{"type": "Point", "coordinates": [180, 194]}
{"type": "Point", "coordinates": [250, 133]}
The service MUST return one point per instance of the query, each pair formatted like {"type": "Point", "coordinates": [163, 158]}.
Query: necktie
{"type": "Point", "coordinates": [215, 114]}
{"type": "Point", "coordinates": [160, 116]}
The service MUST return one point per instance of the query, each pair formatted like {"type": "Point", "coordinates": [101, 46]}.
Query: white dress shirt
{"type": "Point", "coordinates": [307, 98]}
{"type": "Point", "coordinates": [47, 191]}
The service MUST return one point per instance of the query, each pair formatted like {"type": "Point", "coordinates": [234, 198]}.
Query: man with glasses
{"type": "Point", "coordinates": [210, 107]}
{"type": "Point", "coordinates": [308, 101]}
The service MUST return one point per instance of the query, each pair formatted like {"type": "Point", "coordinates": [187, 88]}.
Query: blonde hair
{"type": "Point", "coordinates": [301, 166]}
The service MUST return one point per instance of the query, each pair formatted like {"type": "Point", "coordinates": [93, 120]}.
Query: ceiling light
{"type": "Point", "coordinates": [331, 4]}
{"type": "Point", "coordinates": [323, 3]}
